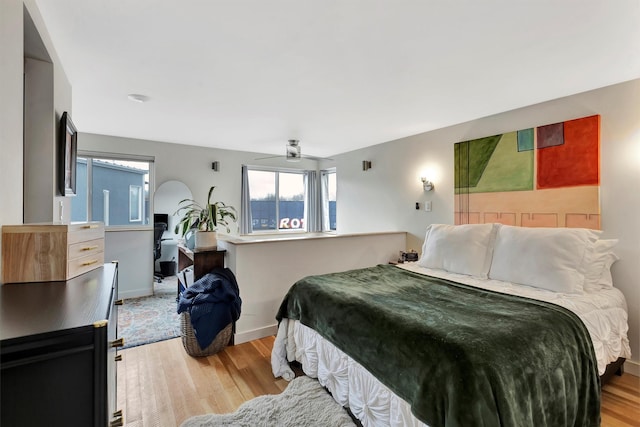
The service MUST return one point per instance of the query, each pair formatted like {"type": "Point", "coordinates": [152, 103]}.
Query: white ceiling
{"type": "Point", "coordinates": [336, 74]}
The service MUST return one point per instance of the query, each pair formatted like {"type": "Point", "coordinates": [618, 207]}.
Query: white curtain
{"type": "Point", "coordinates": [245, 203]}
{"type": "Point", "coordinates": [312, 204]}
{"type": "Point", "coordinates": [325, 201]}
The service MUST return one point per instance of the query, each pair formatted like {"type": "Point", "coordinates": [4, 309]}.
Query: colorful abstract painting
{"type": "Point", "coordinates": [548, 176]}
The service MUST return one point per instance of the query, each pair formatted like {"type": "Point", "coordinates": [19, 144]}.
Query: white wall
{"type": "Point", "coordinates": [11, 108]}
{"type": "Point", "coordinates": [40, 148]}
{"type": "Point", "coordinates": [132, 250]}
{"type": "Point", "coordinates": [11, 66]}
{"type": "Point", "coordinates": [384, 197]}
{"type": "Point", "coordinates": [266, 270]}
{"type": "Point", "coordinates": [47, 96]}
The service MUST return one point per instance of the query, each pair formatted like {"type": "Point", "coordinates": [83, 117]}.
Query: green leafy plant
{"type": "Point", "coordinates": [204, 218]}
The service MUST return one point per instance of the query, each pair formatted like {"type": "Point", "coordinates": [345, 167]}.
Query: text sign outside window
{"type": "Point", "coordinates": [277, 200]}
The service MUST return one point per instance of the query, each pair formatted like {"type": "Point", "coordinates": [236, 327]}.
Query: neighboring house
{"type": "Point", "coordinates": [119, 194]}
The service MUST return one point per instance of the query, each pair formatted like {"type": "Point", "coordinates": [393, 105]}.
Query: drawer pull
{"type": "Point", "coordinates": [116, 423]}
{"type": "Point", "coordinates": [117, 343]}
{"type": "Point", "coordinates": [118, 358]}
{"type": "Point", "coordinates": [90, 226]}
{"type": "Point", "coordinates": [84, 264]}
{"type": "Point", "coordinates": [119, 302]}
{"type": "Point", "coordinates": [100, 323]}
{"type": "Point", "coordinates": [89, 248]}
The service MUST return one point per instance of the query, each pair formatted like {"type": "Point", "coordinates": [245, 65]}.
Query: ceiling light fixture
{"type": "Point", "coordinates": [135, 97]}
{"type": "Point", "coordinates": [293, 151]}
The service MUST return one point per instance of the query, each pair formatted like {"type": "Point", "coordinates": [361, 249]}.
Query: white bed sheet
{"type": "Point", "coordinates": [604, 313]}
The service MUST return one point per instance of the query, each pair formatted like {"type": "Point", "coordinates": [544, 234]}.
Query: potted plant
{"type": "Point", "coordinates": [204, 220]}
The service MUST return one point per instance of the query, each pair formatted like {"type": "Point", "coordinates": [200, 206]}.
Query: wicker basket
{"type": "Point", "coordinates": [190, 343]}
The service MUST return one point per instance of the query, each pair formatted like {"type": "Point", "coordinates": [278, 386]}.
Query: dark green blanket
{"type": "Point", "coordinates": [459, 355]}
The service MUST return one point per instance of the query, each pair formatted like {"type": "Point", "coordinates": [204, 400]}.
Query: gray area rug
{"type": "Point", "coordinates": [150, 319]}
{"type": "Point", "coordinates": [303, 403]}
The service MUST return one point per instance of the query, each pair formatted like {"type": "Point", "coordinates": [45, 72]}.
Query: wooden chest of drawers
{"type": "Point", "coordinates": [50, 252]}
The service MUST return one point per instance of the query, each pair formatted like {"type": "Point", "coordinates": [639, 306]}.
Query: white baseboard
{"type": "Point", "coordinates": [632, 367]}
{"type": "Point", "coordinates": [255, 334]}
{"type": "Point", "coordinates": [134, 293]}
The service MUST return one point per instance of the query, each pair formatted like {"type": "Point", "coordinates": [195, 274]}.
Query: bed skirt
{"type": "Point", "coordinates": [350, 384]}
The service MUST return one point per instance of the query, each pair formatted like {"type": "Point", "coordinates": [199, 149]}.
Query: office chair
{"type": "Point", "coordinates": [158, 229]}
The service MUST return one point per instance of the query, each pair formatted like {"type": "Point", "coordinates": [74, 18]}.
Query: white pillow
{"type": "Point", "coordinates": [598, 273]}
{"type": "Point", "coordinates": [606, 280]}
{"type": "Point", "coordinates": [463, 249]}
{"type": "Point", "coordinates": [547, 258]}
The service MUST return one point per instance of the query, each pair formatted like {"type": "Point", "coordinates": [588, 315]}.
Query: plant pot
{"type": "Point", "coordinates": [190, 239]}
{"type": "Point", "coordinates": [206, 239]}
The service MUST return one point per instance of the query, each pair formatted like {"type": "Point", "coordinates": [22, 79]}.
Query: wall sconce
{"type": "Point", "coordinates": [366, 165]}
{"type": "Point", "coordinates": [426, 185]}
{"type": "Point", "coordinates": [215, 166]}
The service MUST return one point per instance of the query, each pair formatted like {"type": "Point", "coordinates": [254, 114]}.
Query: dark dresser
{"type": "Point", "coordinates": [58, 351]}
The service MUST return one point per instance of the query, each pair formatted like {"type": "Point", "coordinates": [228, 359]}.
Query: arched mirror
{"type": "Point", "coordinates": [165, 203]}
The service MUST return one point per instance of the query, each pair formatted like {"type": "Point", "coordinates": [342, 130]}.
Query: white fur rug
{"type": "Point", "coordinates": [303, 403]}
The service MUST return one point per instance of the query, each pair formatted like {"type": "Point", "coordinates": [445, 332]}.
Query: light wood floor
{"type": "Point", "coordinates": [160, 385]}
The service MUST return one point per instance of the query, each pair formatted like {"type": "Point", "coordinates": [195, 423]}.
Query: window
{"type": "Point", "coordinates": [135, 203]}
{"type": "Point", "coordinates": [112, 190]}
{"type": "Point", "coordinates": [277, 200]}
{"type": "Point", "coordinates": [329, 191]}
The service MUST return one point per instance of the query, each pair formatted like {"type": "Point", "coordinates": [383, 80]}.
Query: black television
{"type": "Point", "coordinates": [67, 154]}
{"type": "Point", "coordinates": [161, 217]}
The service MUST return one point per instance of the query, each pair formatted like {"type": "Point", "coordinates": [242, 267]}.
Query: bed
{"type": "Point", "coordinates": [494, 325]}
